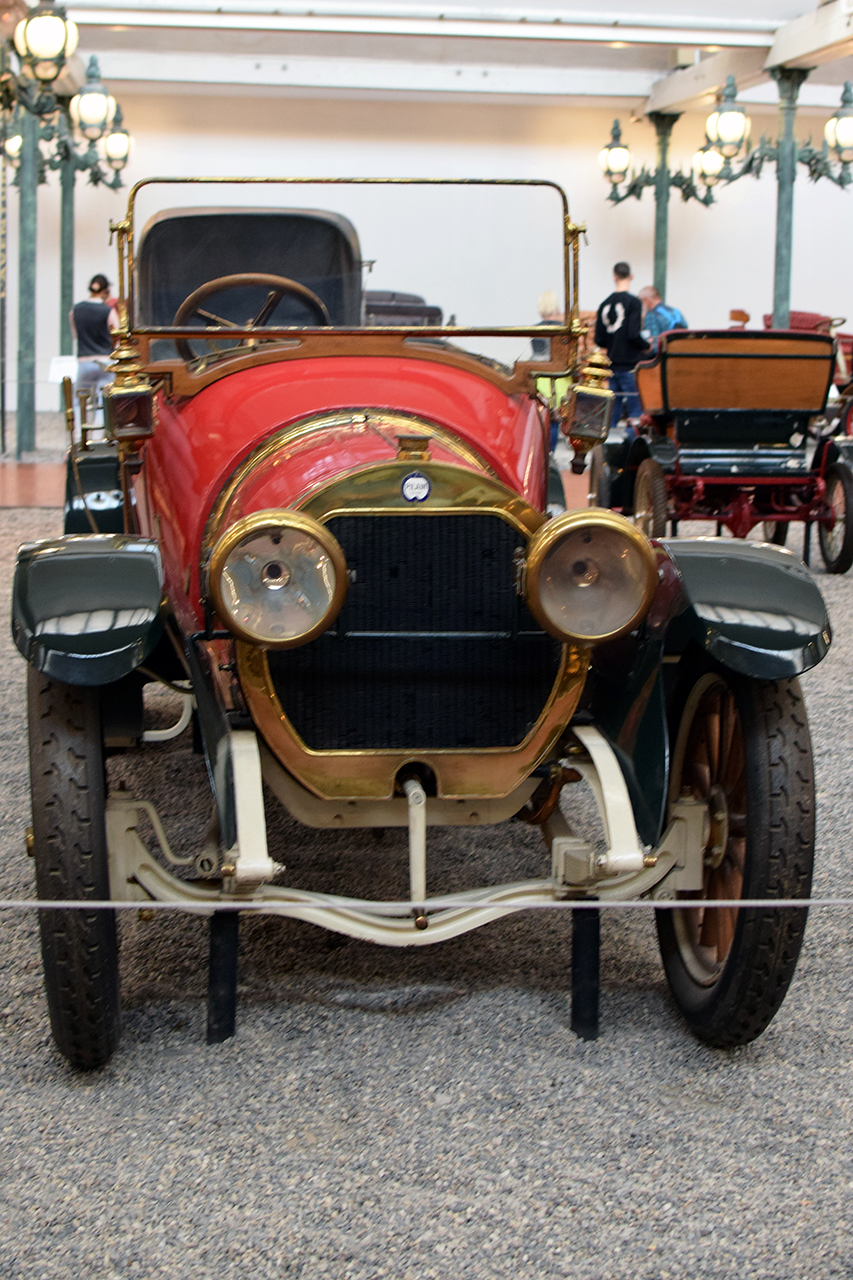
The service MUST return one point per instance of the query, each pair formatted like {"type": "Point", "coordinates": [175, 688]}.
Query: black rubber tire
{"type": "Point", "coordinates": [775, 532]}
{"type": "Point", "coordinates": [728, 971]}
{"type": "Point", "coordinates": [650, 499]}
{"type": "Point", "coordinates": [79, 948]}
{"type": "Point", "coordinates": [836, 544]}
{"type": "Point", "coordinates": [599, 478]}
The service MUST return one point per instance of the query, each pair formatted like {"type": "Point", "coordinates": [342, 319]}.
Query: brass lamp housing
{"type": "Point", "coordinates": [267, 522]}
{"type": "Point", "coordinates": [553, 532]}
{"type": "Point", "coordinates": [587, 409]}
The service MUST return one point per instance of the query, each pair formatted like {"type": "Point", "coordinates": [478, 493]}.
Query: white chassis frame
{"type": "Point", "coordinates": [625, 871]}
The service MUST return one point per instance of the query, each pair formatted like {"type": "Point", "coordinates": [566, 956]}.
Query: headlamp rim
{"type": "Point", "coordinates": [554, 531]}
{"type": "Point", "coordinates": [283, 520]}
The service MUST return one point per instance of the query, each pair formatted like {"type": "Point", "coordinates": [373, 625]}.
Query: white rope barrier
{"type": "Point", "coordinates": [332, 903]}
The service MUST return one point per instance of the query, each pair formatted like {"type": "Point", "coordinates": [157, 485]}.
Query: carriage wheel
{"type": "Point", "coordinates": [79, 948]}
{"type": "Point", "coordinates": [836, 544]}
{"type": "Point", "coordinates": [650, 499]}
{"type": "Point", "coordinates": [776, 532]}
{"type": "Point", "coordinates": [742, 748]}
{"type": "Point", "coordinates": [599, 479]}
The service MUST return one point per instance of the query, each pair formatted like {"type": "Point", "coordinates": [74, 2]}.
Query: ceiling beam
{"type": "Point", "coordinates": [697, 86]}
{"type": "Point", "coordinates": [678, 33]}
{"type": "Point", "coordinates": [815, 38]}
{"type": "Point", "coordinates": [125, 70]}
{"type": "Point", "coordinates": [822, 36]}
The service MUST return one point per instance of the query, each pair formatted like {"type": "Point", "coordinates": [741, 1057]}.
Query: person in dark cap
{"type": "Point", "coordinates": [617, 330]}
{"type": "Point", "coordinates": [91, 322]}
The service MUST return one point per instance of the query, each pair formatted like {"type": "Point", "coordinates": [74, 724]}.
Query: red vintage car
{"type": "Point", "coordinates": [345, 545]}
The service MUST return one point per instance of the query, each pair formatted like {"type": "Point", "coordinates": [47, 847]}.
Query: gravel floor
{"type": "Point", "coordinates": [431, 1114]}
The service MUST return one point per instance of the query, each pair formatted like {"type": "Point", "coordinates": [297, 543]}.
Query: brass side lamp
{"type": "Point", "coordinates": [586, 410]}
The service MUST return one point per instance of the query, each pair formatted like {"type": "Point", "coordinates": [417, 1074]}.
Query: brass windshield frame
{"type": "Point", "coordinates": [566, 334]}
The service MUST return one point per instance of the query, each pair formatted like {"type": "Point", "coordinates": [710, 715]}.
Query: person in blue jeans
{"type": "Point", "coordinates": [658, 318]}
{"type": "Point", "coordinates": [618, 325]}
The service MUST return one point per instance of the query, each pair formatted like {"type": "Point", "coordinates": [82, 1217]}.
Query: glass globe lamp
{"type": "Point", "coordinates": [93, 108]}
{"type": "Point", "coordinates": [44, 40]}
{"type": "Point", "coordinates": [839, 130]}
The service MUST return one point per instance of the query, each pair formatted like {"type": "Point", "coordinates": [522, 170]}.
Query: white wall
{"type": "Point", "coordinates": [720, 258]}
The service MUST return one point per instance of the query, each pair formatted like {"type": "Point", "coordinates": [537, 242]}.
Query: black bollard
{"type": "Point", "coordinates": [222, 976]}
{"type": "Point", "coordinates": [586, 953]}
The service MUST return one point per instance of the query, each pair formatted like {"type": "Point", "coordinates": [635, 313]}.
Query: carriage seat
{"type": "Point", "coordinates": [733, 390]}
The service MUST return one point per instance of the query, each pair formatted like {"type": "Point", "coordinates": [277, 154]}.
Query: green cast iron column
{"type": "Point", "coordinates": [28, 189]}
{"type": "Point", "coordinates": [663, 128]}
{"type": "Point", "coordinates": [788, 81]}
{"type": "Point", "coordinates": [67, 175]}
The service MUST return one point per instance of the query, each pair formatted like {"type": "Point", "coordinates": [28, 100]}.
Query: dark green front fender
{"type": "Point", "coordinates": [86, 609]}
{"type": "Point", "coordinates": [753, 607]}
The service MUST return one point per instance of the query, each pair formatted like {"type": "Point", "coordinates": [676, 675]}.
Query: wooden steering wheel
{"type": "Point", "coordinates": [279, 287]}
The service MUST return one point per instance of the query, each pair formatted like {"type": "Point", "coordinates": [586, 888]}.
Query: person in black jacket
{"type": "Point", "coordinates": [91, 322]}
{"type": "Point", "coordinates": [617, 331]}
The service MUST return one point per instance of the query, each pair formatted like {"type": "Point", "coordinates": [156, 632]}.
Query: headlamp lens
{"type": "Point", "coordinates": [278, 585]}
{"type": "Point", "coordinates": [590, 580]}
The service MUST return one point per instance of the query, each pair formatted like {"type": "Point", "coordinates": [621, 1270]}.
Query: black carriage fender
{"type": "Point", "coordinates": [755, 608]}
{"type": "Point", "coordinates": [86, 609]}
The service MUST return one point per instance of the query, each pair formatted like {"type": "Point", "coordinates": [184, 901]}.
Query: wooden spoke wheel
{"type": "Point", "coordinates": [775, 531]}
{"type": "Point", "coordinates": [650, 499]}
{"type": "Point", "coordinates": [742, 749]}
{"type": "Point", "coordinates": [599, 478]}
{"type": "Point", "coordinates": [836, 544]}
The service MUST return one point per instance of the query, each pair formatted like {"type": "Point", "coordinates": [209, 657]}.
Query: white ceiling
{"type": "Point", "coordinates": [562, 50]}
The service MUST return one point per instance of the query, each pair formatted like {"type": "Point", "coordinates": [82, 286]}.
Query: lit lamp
{"type": "Point", "coordinates": [615, 158]}
{"type": "Point", "coordinates": [839, 130]}
{"type": "Point", "coordinates": [93, 108]}
{"type": "Point", "coordinates": [44, 40]}
{"type": "Point", "coordinates": [728, 125]}
{"type": "Point", "coordinates": [116, 144]}
{"type": "Point", "coordinates": [707, 165]}
{"type": "Point", "coordinates": [12, 148]}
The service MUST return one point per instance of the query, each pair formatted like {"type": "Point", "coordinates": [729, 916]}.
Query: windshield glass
{"type": "Point", "coordinates": [434, 256]}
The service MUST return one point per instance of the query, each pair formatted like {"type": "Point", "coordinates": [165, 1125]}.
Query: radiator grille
{"type": "Point", "coordinates": [433, 649]}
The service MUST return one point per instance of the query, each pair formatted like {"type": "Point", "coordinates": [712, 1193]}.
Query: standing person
{"type": "Point", "coordinates": [658, 318]}
{"type": "Point", "coordinates": [91, 322]}
{"type": "Point", "coordinates": [553, 389]}
{"type": "Point", "coordinates": [617, 330]}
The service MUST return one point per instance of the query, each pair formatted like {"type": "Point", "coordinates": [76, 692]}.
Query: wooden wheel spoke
{"type": "Point", "coordinates": [700, 777]}
{"type": "Point", "coordinates": [725, 931]}
{"type": "Point", "coordinates": [730, 881]}
{"type": "Point", "coordinates": [728, 737]}
{"type": "Point", "coordinates": [708, 930]}
{"type": "Point", "coordinates": [736, 852]}
{"type": "Point", "coordinates": [712, 737]}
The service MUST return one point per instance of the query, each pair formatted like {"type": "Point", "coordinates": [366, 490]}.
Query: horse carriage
{"type": "Point", "coordinates": [732, 432]}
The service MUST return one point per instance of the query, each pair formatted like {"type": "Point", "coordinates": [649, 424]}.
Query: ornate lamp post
{"type": "Point", "coordinates": [727, 129]}
{"type": "Point", "coordinates": [97, 117]}
{"type": "Point", "coordinates": [43, 40]}
{"type": "Point", "coordinates": [101, 124]}
{"type": "Point", "coordinates": [615, 160]}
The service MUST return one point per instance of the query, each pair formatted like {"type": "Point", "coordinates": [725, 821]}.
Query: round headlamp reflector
{"type": "Point", "coordinates": [278, 578]}
{"type": "Point", "coordinates": [590, 576]}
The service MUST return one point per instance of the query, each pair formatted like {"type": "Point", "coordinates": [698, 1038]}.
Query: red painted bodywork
{"type": "Point", "coordinates": [199, 442]}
